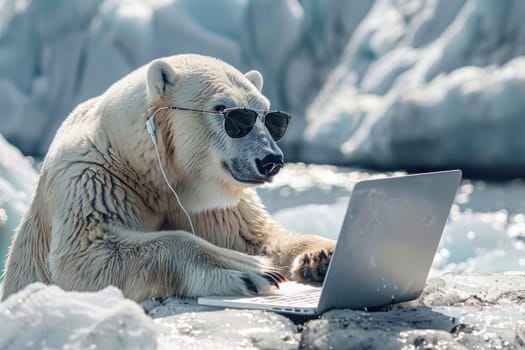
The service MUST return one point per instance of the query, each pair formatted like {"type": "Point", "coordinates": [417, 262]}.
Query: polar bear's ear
{"type": "Point", "coordinates": [255, 78]}
{"type": "Point", "coordinates": [159, 78]}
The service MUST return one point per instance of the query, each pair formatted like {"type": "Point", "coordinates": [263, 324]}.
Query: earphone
{"type": "Point", "coordinates": [150, 126]}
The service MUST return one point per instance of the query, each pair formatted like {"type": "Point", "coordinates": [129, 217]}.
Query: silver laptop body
{"type": "Point", "coordinates": [384, 252]}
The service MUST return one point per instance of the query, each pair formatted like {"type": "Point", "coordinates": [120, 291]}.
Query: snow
{"type": "Point", "coordinates": [480, 311]}
{"type": "Point", "coordinates": [47, 317]}
{"type": "Point", "coordinates": [485, 230]}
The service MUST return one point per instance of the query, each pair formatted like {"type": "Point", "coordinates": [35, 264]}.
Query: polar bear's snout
{"type": "Point", "coordinates": [270, 165]}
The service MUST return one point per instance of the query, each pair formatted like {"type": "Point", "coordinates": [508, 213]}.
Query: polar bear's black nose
{"type": "Point", "coordinates": [270, 165]}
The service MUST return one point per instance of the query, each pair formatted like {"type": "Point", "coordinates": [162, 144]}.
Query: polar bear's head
{"type": "Point", "coordinates": [195, 144]}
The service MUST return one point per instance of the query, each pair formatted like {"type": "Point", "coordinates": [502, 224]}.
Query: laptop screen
{"type": "Point", "coordinates": [388, 240]}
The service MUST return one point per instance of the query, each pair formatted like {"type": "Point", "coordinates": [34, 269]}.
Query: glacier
{"type": "Point", "coordinates": [426, 85]}
{"type": "Point", "coordinates": [416, 84]}
{"type": "Point", "coordinates": [58, 53]}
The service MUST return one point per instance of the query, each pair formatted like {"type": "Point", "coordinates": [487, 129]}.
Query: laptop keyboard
{"type": "Point", "coordinates": [305, 298]}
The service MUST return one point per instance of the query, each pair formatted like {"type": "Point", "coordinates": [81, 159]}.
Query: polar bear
{"type": "Point", "coordinates": [104, 215]}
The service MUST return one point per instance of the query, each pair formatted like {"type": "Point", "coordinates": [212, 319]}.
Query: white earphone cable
{"type": "Point", "coordinates": [150, 125]}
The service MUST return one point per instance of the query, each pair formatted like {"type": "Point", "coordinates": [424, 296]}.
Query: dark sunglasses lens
{"type": "Point", "coordinates": [239, 122]}
{"type": "Point", "coordinates": [277, 123]}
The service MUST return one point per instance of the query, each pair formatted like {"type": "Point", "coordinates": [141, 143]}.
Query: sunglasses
{"type": "Point", "coordinates": [239, 121]}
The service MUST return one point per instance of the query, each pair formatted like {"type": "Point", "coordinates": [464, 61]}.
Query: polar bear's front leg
{"type": "Point", "coordinates": [160, 264]}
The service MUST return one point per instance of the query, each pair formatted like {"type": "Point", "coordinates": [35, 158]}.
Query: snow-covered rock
{"type": "Point", "coordinates": [17, 181]}
{"type": "Point", "coordinates": [427, 84]}
{"type": "Point", "coordinates": [57, 53]}
{"type": "Point", "coordinates": [228, 329]}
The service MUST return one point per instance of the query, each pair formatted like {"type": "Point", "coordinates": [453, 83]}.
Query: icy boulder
{"type": "Point", "coordinates": [57, 53]}
{"type": "Point", "coordinates": [427, 84]}
{"type": "Point", "coordinates": [17, 181]}
{"type": "Point", "coordinates": [46, 317]}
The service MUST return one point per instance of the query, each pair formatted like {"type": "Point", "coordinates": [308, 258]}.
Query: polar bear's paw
{"type": "Point", "coordinates": [245, 283]}
{"type": "Point", "coordinates": [239, 275]}
{"type": "Point", "coordinates": [243, 274]}
{"type": "Point", "coordinates": [311, 266]}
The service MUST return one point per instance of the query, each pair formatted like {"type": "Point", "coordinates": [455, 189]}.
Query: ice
{"type": "Point", "coordinates": [405, 84]}
{"type": "Point", "coordinates": [46, 317]}
{"type": "Point", "coordinates": [326, 218]}
{"type": "Point", "coordinates": [57, 53]}
{"type": "Point", "coordinates": [17, 180]}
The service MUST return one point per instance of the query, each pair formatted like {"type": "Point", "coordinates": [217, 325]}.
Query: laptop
{"type": "Point", "coordinates": [384, 252]}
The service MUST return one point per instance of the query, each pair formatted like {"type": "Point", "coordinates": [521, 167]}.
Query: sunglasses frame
{"type": "Point", "coordinates": [261, 113]}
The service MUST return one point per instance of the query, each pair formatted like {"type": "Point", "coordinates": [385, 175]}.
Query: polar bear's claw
{"type": "Point", "coordinates": [273, 277]}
